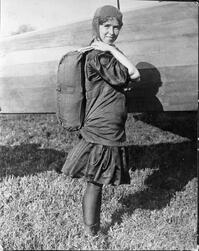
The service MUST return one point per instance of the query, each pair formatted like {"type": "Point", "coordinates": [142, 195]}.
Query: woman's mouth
{"type": "Point", "coordinates": [110, 37]}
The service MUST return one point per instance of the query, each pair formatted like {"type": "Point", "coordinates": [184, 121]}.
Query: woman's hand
{"type": "Point", "coordinates": [133, 72]}
{"type": "Point", "coordinates": [98, 45]}
{"type": "Point", "coordinates": [135, 75]}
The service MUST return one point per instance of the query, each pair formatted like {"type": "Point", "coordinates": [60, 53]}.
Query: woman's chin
{"type": "Point", "coordinates": [109, 42]}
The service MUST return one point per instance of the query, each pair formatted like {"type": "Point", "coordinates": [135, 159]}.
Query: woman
{"type": "Point", "coordinates": [100, 156]}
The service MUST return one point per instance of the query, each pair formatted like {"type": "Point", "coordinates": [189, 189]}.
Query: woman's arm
{"type": "Point", "coordinates": [106, 66]}
{"type": "Point", "coordinates": [132, 70]}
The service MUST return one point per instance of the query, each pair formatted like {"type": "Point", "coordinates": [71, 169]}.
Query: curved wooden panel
{"type": "Point", "coordinates": [162, 41]}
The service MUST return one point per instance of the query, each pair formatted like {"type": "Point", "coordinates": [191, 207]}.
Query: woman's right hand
{"type": "Point", "coordinates": [133, 72]}
{"type": "Point", "coordinates": [98, 45]}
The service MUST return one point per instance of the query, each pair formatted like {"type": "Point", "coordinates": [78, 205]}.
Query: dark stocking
{"type": "Point", "coordinates": [91, 207]}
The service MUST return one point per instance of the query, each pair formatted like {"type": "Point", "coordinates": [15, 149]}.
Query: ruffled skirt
{"type": "Point", "coordinates": [98, 163]}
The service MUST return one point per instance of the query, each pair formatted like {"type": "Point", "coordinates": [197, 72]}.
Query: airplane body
{"type": "Point", "coordinates": [162, 41]}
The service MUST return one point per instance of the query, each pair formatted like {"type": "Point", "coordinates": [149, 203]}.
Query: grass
{"type": "Point", "coordinates": [41, 210]}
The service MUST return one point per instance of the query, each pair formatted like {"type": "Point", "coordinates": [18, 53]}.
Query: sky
{"type": "Point", "coordinates": [43, 14]}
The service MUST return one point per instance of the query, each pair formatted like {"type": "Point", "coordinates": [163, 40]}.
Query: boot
{"type": "Point", "coordinates": [91, 207]}
{"type": "Point", "coordinates": [92, 230]}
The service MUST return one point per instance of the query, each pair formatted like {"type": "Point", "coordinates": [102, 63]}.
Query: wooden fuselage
{"type": "Point", "coordinates": [162, 41]}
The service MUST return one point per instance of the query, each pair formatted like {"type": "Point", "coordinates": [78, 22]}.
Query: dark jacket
{"type": "Point", "coordinates": [106, 110]}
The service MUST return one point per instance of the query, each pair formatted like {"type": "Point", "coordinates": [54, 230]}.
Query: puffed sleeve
{"type": "Point", "coordinates": [108, 68]}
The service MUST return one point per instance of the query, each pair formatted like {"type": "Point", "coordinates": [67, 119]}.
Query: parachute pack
{"type": "Point", "coordinates": [70, 89]}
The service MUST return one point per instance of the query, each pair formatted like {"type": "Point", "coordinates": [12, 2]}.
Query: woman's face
{"type": "Point", "coordinates": [109, 31]}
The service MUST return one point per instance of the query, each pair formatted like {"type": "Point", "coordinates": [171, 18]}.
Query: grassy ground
{"type": "Point", "coordinates": [40, 209]}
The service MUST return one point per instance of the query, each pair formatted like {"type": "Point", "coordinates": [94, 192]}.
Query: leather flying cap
{"type": "Point", "coordinates": [108, 11]}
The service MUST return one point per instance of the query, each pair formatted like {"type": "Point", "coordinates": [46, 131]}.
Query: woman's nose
{"type": "Point", "coordinates": [111, 30]}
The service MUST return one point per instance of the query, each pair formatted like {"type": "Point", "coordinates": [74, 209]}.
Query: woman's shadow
{"type": "Point", "coordinates": [141, 96]}
{"type": "Point", "coordinates": [172, 166]}
{"type": "Point", "coordinates": [177, 164]}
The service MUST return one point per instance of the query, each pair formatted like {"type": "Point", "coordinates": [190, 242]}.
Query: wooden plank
{"type": "Point", "coordinates": [179, 102]}
{"type": "Point", "coordinates": [49, 39]}
{"type": "Point", "coordinates": [185, 87]}
{"type": "Point", "coordinates": [167, 52]}
{"type": "Point", "coordinates": [18, 97]}
{"type": "Point", "coordinates": [180, 107]}
{"type": "Point", "coordinates": [34, 81]}
{"type": "Point", "coordinates": [36, 93]}
{"type": "Point", "coordinates": [165, 13]}
{"type": "Point", "coordinates": [179, 73]}
{"type": "Point", "coordinates": [174, 74]}
{"type": "Point", "coordinates": [186, 27]}
{"type": "Point", "coordinates": [30, 69]}
{"type": "Point", "coordinates": [155, 93]}
{"type": "Point", "coordinates": [154, 103]}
